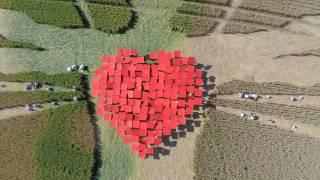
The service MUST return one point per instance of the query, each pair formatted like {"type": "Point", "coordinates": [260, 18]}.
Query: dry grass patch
{"type": "Point", "coordinates": [18, 136]}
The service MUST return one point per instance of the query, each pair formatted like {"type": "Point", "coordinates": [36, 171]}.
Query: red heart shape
{"type": "Point", "coordinates": [145, 101]}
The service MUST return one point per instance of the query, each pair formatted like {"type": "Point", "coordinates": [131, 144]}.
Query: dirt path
{"type": "Point", "coordinates": [18, 111]}
{"type": "Point", "coordinates": [306, 129]}
{"type": "Point", "coordinates": [312, 101]}
{"type": "Point", "coordinates": [16, 86]}
{"type": "Point", "coordinates": [229, 13]}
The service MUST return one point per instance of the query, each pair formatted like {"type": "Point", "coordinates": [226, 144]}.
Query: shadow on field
{"type": "Point", "coordinates": [193, 121]}
{"type": "Point", "coordinates": [91, 109]}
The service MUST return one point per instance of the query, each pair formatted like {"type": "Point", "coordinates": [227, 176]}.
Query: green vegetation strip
{"type": "Point", "coordinates": [57, 156]}
{"type": "Point", "coordinates": [63, 80]}
{"type": "Point", "coordinates": [57, 13]}
{"type": "Point", "coordinates": [5, 43]}
{"type": "Point", "coordinates": [10, 99]}
{"type": "Point", "coordinates": [111, 19]}
{"type": "Point", "coordinates": [111, 2]}
{"type": "Point", "coordinates": [192, 26]}
{"type": "Point", "coordinates": [201, 10]}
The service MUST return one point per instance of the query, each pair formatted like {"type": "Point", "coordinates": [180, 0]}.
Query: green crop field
{"type": "Point", "coordinates": [60, 155]}
{"type": "Point", "coordinates": [110, 19]}
{"type": "Point", "coordinates": [63, 80]}
{"type": "Point", "coordinates": [193, 26]}
{"type": "Point", "coordinates": [57, 13]}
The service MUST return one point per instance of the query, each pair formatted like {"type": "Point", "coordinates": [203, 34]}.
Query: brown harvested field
{"type": "Point", "coordinates": [231, 148]}
{"type": "Point", "coordinates": [250, 57]}
{"type": "Point", "coordinates": [284, 7]}
{"type": "Point", "coordinates": [286, 124]}
{"type": "Point", "coordinates": [238, 27]}
{"type": "Point", "coordinates": [254, 17]}
{"type": "Point", "coordinates": [17, 137]}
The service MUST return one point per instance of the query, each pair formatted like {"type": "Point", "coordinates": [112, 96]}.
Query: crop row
{"type": "Point", "coordinates": [219, 2]}
{"type": "Point", "coordinates": [231, 148]}
{"type": "Point", "coordinates": [111, 2]}
{"type": "Point", "coordinates": [192, 26]}
{"type": "Point", "coordinates": [259, 19]}
{"type": "Point", "coordinates": [238, 27]}
{"type": "Point", "coordinates": [200, 10]}
{"type": "Point", "coordinates": [57, 13]}
{"type": "Point", "coordinates": [308, 115]}
{"type": "Point", "coordinates": [111, 19]}
{"type": "Point", "coordinates": [286, 7]}
{"type": "Point", "coordinates": [275, 88]}
{"type": "Point", "coordinates": [10, 99]}
{"type": "Point", "coordinates": [63, 80]}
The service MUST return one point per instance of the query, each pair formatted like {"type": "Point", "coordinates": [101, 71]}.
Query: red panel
{"type": "Point", "coordinates": [177, 53]}
{"type": "Point", "coordinates": [120, 132]}
{"type": "Point", "coordinates": [153, 55]}
{"type": "Point", "coordinates": [134, 138]}
{"type": "Point", "coordinates": [107, 117]}
{"type": "Point", "coordinates": [126, 139]}
{"type": "Point", "coordinates": [135, 124]}
{"type": "Point", "coordinates": [134, 147]}
{"type": "Point", "coordinates": [157, 141]}
{"type": "Point", "coordinates": [143, 126]}
{"type": "Point", "coordinates": [181, 112]}
{"type": "Point", "coordinates": [198, 92]}
{"type": "Point", "coordinates": [142, 154]}
{"type": "Point", "coordinates": [182, 120]}
{"type": "Point", "coordinates": [150, 150]}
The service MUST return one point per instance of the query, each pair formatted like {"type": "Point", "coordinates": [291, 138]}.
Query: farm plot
{"type": "Point", "coordinates": [18, 137]}
{"type": "Point", "coordinates": [65, 148]}
{"type": "Point", "coordinates": [111, 2]}
{"type": "Point", "coordinates": [200, 10]}
{"type": "Point", "coordinates": [252, 17]}
{"type": "Point", "coordinates": [233, 27]}
{"type": "Point", "coordinates": [193, 26]}
{"type": "Point", "coordinates": [285, 7]}
{"type": "Point", "coordinates": [302, 114]}
{"type": "Point", "coordinates": [10, 99]}
{"type": "Point", "coordinates": [111, 19]}
{"type": "Point", "coordinates": [219, 2]}
{"type": "Point", "coordinates": [275, 88]}
{"type": "Point", "coordinates": [231, 148]}
{"type": "Point", "coordinates": [63, 79]}
{"type": "Point", "coordinates": [57, 13]}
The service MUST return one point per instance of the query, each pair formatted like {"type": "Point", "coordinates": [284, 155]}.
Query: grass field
{"type": "Point", "coordinates": [231, 148]}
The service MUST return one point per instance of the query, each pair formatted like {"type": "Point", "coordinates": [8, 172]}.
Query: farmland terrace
{"type": "Point", "coordinates": [240, 16]}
